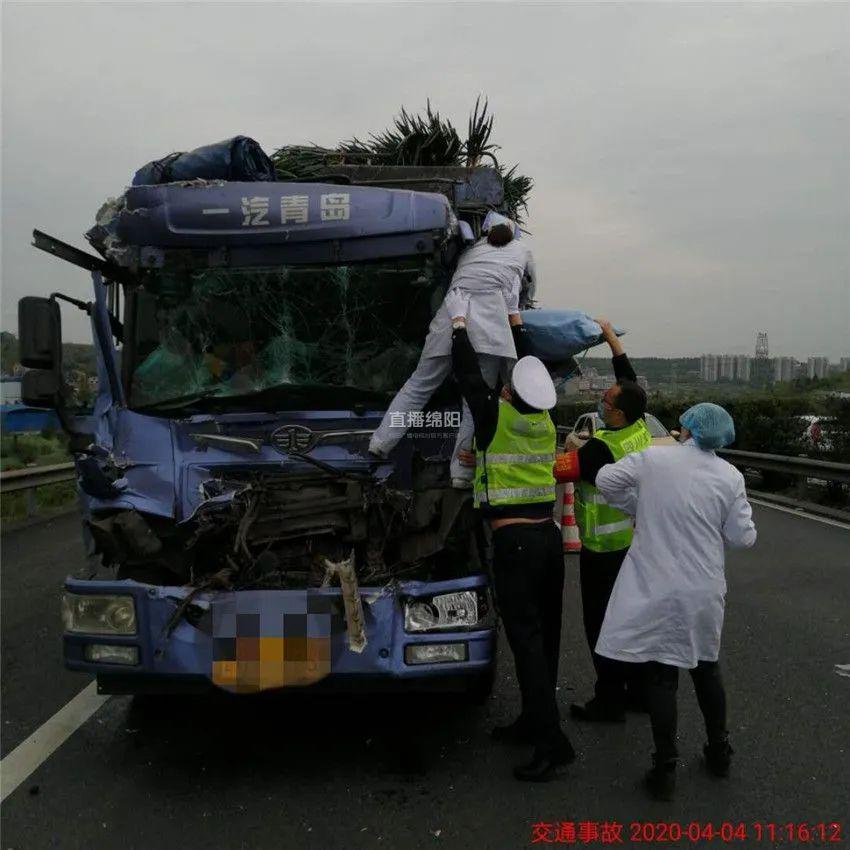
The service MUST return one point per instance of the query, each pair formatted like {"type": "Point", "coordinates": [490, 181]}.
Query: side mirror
{"type": "Point", "coordinates": [676, 434]}
{"type": "Point", "coordinates": [40, 332]}
{"type": "Point", "coordinates": [41, 388]}
{"type": "Point", "coordinates": [583, 435]}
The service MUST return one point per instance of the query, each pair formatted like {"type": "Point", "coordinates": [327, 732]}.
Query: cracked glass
{"type": "Point", "coordinates": [229, 332]}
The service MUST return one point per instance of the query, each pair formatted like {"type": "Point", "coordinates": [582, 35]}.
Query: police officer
{"type": "Point", "coordinates": [606, 532]}
{"type": "Point", "coordinates": [514, 488]}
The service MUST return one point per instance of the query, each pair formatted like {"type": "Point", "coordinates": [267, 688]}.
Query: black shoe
{"type": "Point", "coordinates": [518, 732]}
{"type": "Point", "coordinates": [718, 758]}
{"type": "Point", "coordinates": [660, 780]}
{"type": "Point", "coordinates": [596, 711]}
{"type": "Point", "coordinates": [543, 767]}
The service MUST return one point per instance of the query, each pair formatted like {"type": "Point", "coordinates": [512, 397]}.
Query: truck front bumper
{"type": "Point", "coordinates": [187, 651]}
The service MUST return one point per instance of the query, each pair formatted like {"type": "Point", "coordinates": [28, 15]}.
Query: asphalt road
{"type": "Point", "coordinates": [408, 773]}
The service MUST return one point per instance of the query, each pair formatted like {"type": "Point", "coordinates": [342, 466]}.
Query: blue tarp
{"type": "Point", "coordinates": [19, 418]}
{"type": "Point", "coordinates": [239, 159]}
{"type": "Point", "coordinates": [557, 335]}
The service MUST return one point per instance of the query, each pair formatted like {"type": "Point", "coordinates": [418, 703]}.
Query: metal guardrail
{"type": "Point", "coordinates": [801, 467]}
{"type": "Point", "coordinates": [30, 479]}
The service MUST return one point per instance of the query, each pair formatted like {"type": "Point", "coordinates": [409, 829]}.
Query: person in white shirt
{"type": "Point", "coordinates": [667, 605]}
{"type": "Point", "coordinates": [489, 276]}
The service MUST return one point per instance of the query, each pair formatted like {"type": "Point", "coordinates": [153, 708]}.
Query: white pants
{"type": "Point", "coordinates": [415, 394]}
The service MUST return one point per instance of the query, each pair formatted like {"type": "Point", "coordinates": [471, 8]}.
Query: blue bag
{"type": "Point", "coordinates": [239, 159]}
{"type": "Point", "coordinates": [556, 335]}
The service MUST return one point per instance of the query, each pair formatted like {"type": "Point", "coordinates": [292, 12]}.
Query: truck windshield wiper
{"type": "Point", "coordinates": [186, 400]}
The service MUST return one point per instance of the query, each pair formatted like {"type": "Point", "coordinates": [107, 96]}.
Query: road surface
{"type": "Point", "coordinates": [402, 772]}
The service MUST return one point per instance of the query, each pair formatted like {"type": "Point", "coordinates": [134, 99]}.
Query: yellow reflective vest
{"type": "Point", "coordinates": [516, 468]}
{"type": "Point", "coordinates": [601, 527]}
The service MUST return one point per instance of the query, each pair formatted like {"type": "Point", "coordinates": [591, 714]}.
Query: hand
{"type": "Point", "coordinates": [610, 336]}
{"type": "Point", "coordinates": [457, 303]}
{"type": "Point", "coordinates": [607, 329]}
{"type": "Point", "coordinates": [466, 457]}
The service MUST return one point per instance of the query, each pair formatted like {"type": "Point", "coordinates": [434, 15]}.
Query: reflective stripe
{"type": "Point", "coordinates": [518, 493]}
{"type": "Point", "coordinates": [520, 458]}
{"type": "Point", "coordinates": [613, 527]}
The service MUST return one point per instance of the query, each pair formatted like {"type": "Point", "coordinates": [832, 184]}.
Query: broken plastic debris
{"type": "Point", "coordinates": [350, 598]}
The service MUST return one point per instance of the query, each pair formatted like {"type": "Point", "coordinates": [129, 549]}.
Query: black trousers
{"type": "Point", "coordinates": [598, 571]}
{"type": "Point", "coordinates": [528, 570]}
{"type": "Point", "coordinates": [662, 684]}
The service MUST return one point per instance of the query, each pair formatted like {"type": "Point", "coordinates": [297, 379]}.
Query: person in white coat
{"type": "Point", "coordinates": [667, 605]}
{"type": "Point", "coordinates": [487, 282]}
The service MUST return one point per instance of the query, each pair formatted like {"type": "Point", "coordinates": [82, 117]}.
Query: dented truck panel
{"type": "Point", "coordinates": [227, 489]}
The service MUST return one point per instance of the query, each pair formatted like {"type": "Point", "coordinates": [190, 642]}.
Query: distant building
{"type": "Point", "coordinates": [742, 367]}
{"type": "Point", "coordinates": [727, 367]}
{"type": "Point", "coordinates": [844, 364]}
{"type": "Point", "coordinates": [784, 369]}
{"type": "Point", "coordinates": [708, 368]}
{"type": "Point", "coordinates": [818, 367]}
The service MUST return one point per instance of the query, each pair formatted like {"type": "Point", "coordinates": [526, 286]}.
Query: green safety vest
{"type": "Point", "coordinates": [603, 528]}
{"type": "Point", "coordinates": [516, 468]}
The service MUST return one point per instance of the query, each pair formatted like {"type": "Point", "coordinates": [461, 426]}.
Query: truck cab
{"type": "Point", "coordinates": [249, 338]}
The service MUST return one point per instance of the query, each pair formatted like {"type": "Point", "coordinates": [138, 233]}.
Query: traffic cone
{"type": "Point", "coordinates": [569, 529]}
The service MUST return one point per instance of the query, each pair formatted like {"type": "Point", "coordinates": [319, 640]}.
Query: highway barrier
{"type": "Point", "coordinates": [31, 479]}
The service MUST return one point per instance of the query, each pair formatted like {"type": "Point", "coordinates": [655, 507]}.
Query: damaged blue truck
{"type": "Point", "coordinates": [249, 337]}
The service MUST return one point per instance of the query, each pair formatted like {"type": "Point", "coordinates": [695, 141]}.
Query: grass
{"type": "Point", "coordinates": [14, 505]}
{"type": "Point", "coordinates": [21, 451]}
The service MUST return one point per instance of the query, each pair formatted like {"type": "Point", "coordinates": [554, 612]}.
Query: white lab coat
{"type": "Point", "coordinates": [668, 601]}
{"type": "Point", "coordinates": [488, 274]}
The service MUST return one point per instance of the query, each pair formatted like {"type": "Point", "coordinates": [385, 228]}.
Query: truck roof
{"type": "Point", "coordinates": [213, 223]}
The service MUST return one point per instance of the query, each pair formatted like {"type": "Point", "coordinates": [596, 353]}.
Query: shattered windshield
{"type": "Point", "coordinates": [226, 332]}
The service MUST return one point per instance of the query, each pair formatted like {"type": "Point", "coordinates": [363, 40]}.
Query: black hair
{"type": "Point", "coordinates": [631, 400]}
{"type": "Point", "coordinates": [500, 234]}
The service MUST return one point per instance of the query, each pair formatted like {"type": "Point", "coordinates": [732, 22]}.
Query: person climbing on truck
{"type": "Point", "coordinates": [491, 274]}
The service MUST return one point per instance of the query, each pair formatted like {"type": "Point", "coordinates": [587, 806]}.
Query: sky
{"type": "Point", "coordinates": [690, 160]}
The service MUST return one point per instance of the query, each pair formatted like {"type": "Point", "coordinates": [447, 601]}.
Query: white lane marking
{"type": "Point", "coordinates": [216, 211]}
{"type": "Point", "coordinates": [803, 514]}
{"type": "Point", "coordinates": [843, 670]}
{"type": "Point", "coordinates": [29, 755]}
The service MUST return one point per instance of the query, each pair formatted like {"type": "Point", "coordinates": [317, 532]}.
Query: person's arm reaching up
{"type": "Point", "coordinates": [482, 400]}
{"type": "Point", "coordinates": [619, 360]}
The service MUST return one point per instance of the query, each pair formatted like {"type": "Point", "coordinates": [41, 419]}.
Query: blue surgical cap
{"type": "Point", "coordinates": [710, 425]}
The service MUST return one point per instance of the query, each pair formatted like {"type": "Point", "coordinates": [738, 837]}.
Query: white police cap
{"type": "Point", "coordinates": [531, 381]}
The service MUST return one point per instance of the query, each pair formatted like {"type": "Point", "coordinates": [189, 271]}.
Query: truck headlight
{"type": "Point", "coordinates": [99, 615]}
{"type": "Point", "coordinates": [444, 612]}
